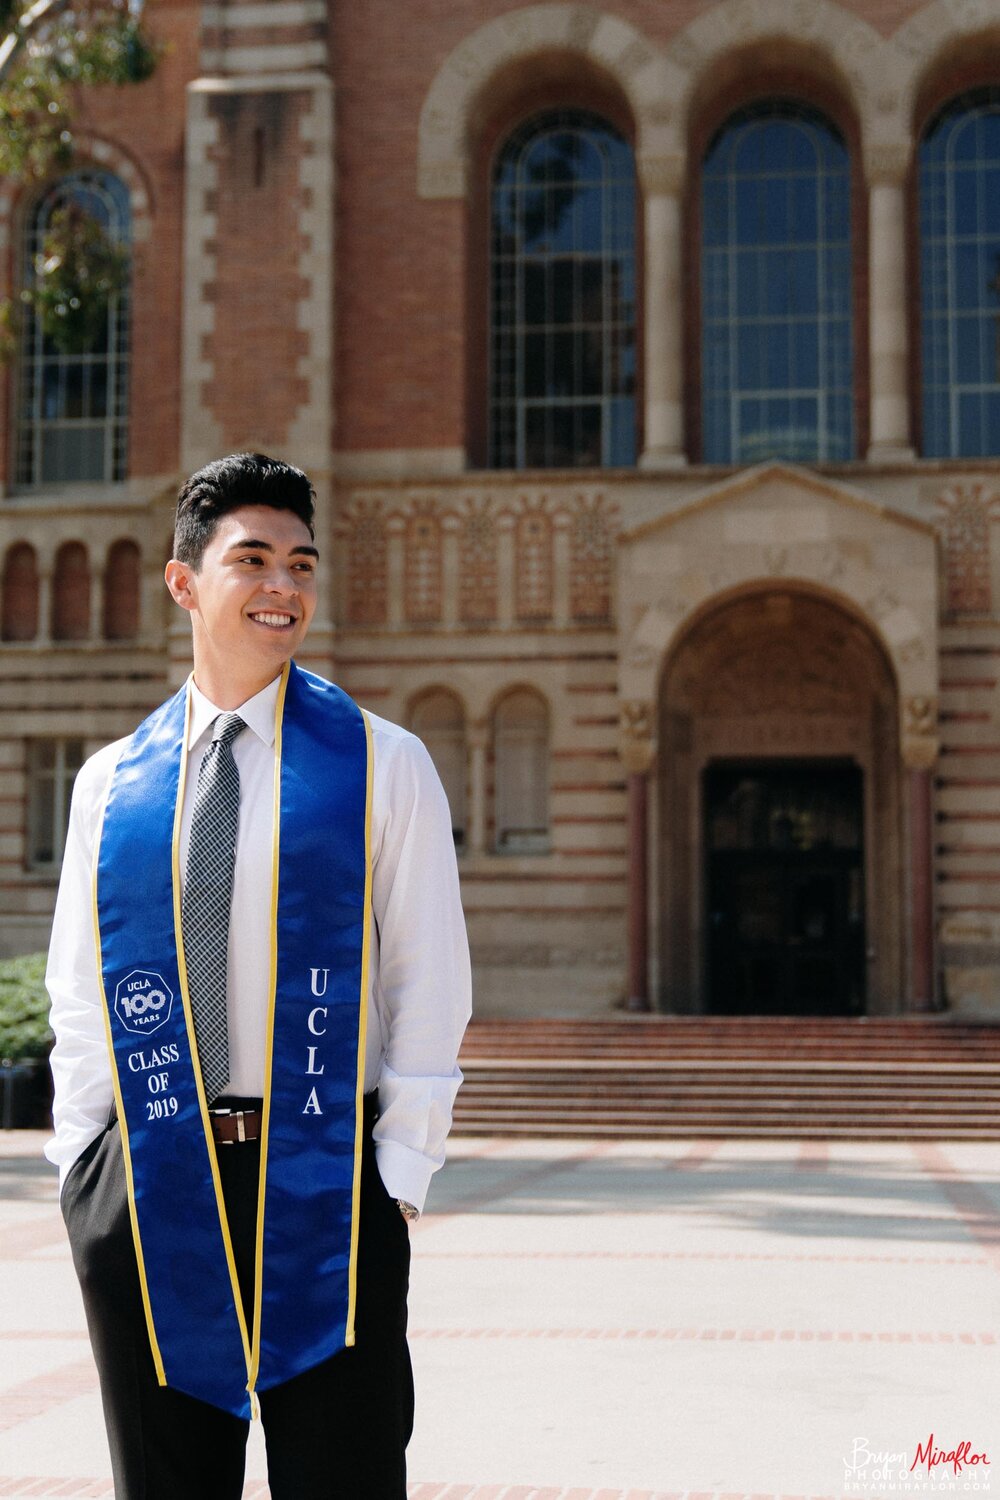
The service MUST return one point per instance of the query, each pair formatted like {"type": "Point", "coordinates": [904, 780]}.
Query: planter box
{"type": "Point", "coordinates": [26, 1095]}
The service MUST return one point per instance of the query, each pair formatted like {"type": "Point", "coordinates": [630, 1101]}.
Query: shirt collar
{"type": "Point", "coordinates": [257, 713]}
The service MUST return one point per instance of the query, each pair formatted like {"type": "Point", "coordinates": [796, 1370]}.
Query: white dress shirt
{"type": "Point", "coordinates": [419, 986]}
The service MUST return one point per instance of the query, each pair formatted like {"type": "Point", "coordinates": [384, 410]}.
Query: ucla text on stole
{"type": "Point", "coordinates": [158, 1083]}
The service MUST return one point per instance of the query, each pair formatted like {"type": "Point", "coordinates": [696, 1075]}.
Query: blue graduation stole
{"type": "Point", "coordinates": [310, 1151]}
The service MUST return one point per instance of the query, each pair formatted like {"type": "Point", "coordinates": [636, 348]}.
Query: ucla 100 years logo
{"type": "Point", "coordinates": [143, 1001]}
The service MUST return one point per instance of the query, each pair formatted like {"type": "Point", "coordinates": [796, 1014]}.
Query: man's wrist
{"type": "Point", "coordinates": [409, 1212]}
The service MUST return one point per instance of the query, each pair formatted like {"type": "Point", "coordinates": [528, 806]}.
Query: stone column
{"type": "Point", "coordinates": [560, 570]}
{"type": "Point", "coordinates": [662, 180]}
{"type": "Point", "coordinates": [637, 750]}
{"type": "Point", "coordinates": [920, 752]}
{"type": "Point", "coordinates": [450, 580]}
{"type": "Point", "coordinates": [395, 559]}
{"type": "Point", "coordinates": [506, 580]}
{"type": "Point", "coordinates": [478, 740]}
{"type": "Point", "coordinates": [44, 633]}
{"type": "Point", "coordinates": [888, 324]}
{"type": "Point", "coordinates": [98, 578]}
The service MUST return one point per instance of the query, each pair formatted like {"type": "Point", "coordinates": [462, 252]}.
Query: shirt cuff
{"type": "Point", "coordinates": [406, 1173]}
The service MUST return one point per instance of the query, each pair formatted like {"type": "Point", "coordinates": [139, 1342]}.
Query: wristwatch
{"type": "Point", "coordinates": [410, 1214]}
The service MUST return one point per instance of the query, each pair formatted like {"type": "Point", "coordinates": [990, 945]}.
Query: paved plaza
{"type": "Point", "coordinates": [626, 1320]}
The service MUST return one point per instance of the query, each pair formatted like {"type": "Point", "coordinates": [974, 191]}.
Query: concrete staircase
{"type": "Point", "coordinates": [778, 1076]}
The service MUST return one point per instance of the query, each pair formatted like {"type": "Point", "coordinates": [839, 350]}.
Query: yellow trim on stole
{"type": "Point", "coordinates": [352, 1294]}
{"type": "Point", "coordinates": [120, 1106]}
{"type": "Point", "coordinates": [254, 1367]}
{"type": "Point", "coordinates": [175, 857]}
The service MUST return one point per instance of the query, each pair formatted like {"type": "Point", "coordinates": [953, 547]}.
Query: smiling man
{"type": "Point", "coordinates": [260, 980]}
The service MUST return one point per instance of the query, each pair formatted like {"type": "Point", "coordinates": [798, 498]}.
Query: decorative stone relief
{"type": "Point", "coordinates": [591, 558]}
{"type": "Point", "coordinates": [920, 743]}
{"type": "Point", "coordinates": [920, 715]}
{"type": "Point", "coordinates": [965, 531]}
{"type": "Point", "coordinates": [478, 565]}
{"type": "Point", "coordinates": [533, 550]}
{"type": "Point", "coordinates": [791, 677]}
{"type": "Point", "coordinates": [367, 591]}
{"type": "Point", "coordinates": [636, 745]}
{"type": "Point", "coordinates": [423, 564]}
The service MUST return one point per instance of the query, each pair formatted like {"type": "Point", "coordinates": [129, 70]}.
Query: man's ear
{"type": "Point", "coordinates": [179, 579]}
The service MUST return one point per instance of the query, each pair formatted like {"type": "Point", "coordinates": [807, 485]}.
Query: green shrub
{"type": "Point", "coordinates": [24, 1009]}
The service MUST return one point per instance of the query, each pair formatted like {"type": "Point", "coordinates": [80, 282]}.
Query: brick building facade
{"type": "Point", "coordinates": [646, 361]}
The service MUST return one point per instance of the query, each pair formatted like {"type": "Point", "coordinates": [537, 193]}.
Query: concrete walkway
{"type": "Point", "coordinates": [623, 1321]}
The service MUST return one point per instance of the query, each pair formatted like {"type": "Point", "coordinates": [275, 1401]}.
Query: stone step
{"type": "Point", "coordinates": [661, 1077]}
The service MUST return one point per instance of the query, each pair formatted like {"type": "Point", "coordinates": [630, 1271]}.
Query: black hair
{"type": "Point", "coordinates": [227, 484]}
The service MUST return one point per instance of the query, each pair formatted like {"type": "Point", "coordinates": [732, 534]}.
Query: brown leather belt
{"type": "Point", "coordinates": [231, 1126]}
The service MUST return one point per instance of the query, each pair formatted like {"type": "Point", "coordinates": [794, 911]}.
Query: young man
{"type": "Point", "coordinates": [259, 979]}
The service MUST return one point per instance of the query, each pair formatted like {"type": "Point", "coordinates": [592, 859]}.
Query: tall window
{"type": "Point", "coordinates": [122, 578]}
{"type": "Point", "coordinates": [439, 721]}
{"type": "Point", "coordinates": [72, 408]}
{"type": "Point", "coordinates": [777, 357]}
{"type": "Point", "coordinates": [52, 768]}
{"type": "Point", "coordinates": [20, 594]}
{"type": "Point", "coordinates": [562, 309]}
{"type": "Point", "coordinates": [521, 771]}
{"type": "Point", "coordinates": [959, 187]}
{"type": "Point", "coordinates": [71, 593]}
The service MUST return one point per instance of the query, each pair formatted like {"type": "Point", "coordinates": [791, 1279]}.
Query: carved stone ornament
{"type": "Point", "coordinates": [636, 745]}
{"type": "Point", "coordinates": [920, 754]}
{"type": "Point", "coordinates": [921, 716]}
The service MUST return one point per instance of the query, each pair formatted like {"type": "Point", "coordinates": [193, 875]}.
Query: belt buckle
{"type": "Point", "coordinates": [239, 1116]}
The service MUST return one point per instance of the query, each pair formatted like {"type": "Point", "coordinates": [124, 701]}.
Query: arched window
{"type": "Point", "coordinates": [439, 721]}
{"type": "Point", "coordinates": [71, 593]}
{"type": "Point", "coordinates": [72, 407]}
{"type": "Point", "coordinates": [562, 270]}
{"type": "Point", "coordinates": [776, 337]}
{"type": "Point", "coordinates": [121, 593]}
{"type": "Point", "coordinates": [521, 772]}
{"type": "Point", "coordinates": [20, 594]}
{"type": "Point", "coordinates": [959, 191]}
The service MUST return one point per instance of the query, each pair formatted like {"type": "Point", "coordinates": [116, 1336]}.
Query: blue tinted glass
{"type": "Point", "coordinates": [775, 339]}
{"type": "Point", "coordinates": [803, 209]}
{"type": "Point", "coordinates": [959, 215]}
{"type": "Point", "coordinates": [779, 276]}
{"type": "Point", "coordinates": [751, 358]}
{"type": "Point", "coordinates": [970, 366]}
{"type": "Point", "coordinates": [776, 191]}
{"type": "Point", "coordinates": [805, 354]}
{"type": "Point", "coordinates": [989, 136]}
{"type": "Point", "coordinates": [714, 212]}
{"type": "Point", "coordinates": [562, 301]}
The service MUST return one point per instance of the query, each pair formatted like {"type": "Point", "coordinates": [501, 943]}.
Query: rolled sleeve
{"type": "Point", "coordinates": [423, 986]}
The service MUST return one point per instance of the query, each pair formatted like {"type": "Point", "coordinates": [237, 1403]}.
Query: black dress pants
{"type": "Point", "coordinates": [336, 1432]}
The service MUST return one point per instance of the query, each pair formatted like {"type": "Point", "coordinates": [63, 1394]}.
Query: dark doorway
{"type": "Point", "coordinates": [785, 888]}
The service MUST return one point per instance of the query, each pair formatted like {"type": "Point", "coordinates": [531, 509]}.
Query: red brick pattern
{"type": "Point", "coordinates": [423, 565]}
{"type": "Point", "coordinates": [478, 566]}
{"type": "Point", "coordinates": [367, 583]}
{"type": "Point", "coordinates": [591, 561]}
{"type": "Point", "coordinates": [534, 564]}
{"type": "Point", "coordinates": [965, 528]}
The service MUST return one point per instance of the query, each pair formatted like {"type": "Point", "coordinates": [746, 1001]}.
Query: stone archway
{"type": "Point", "coordinates": [779, 677]}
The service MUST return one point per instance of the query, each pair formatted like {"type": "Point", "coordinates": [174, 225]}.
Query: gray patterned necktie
{"type": "Point", "coordinates": [208, 894]}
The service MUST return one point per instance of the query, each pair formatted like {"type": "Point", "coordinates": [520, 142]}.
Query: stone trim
{"type": "Point", "coordinates": [93, 150]}
{"type": "Point", "coordinates": [612, 44]}
{"type": "Point", "coordinates": [201, 435]}
{"type": "Point", "coordinates": [310, 434]}
{"type": "Point", "coordinates": [275, 13]}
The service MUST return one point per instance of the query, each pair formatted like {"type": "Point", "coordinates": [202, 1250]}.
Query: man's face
{"type": "Point", "coordinates": [253, 597]}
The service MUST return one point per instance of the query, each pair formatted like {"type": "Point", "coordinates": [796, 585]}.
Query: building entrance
{"type": "Point", "coordinates": [779, 813]}
{"type": "Point", "coordinates": [784, 863]}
